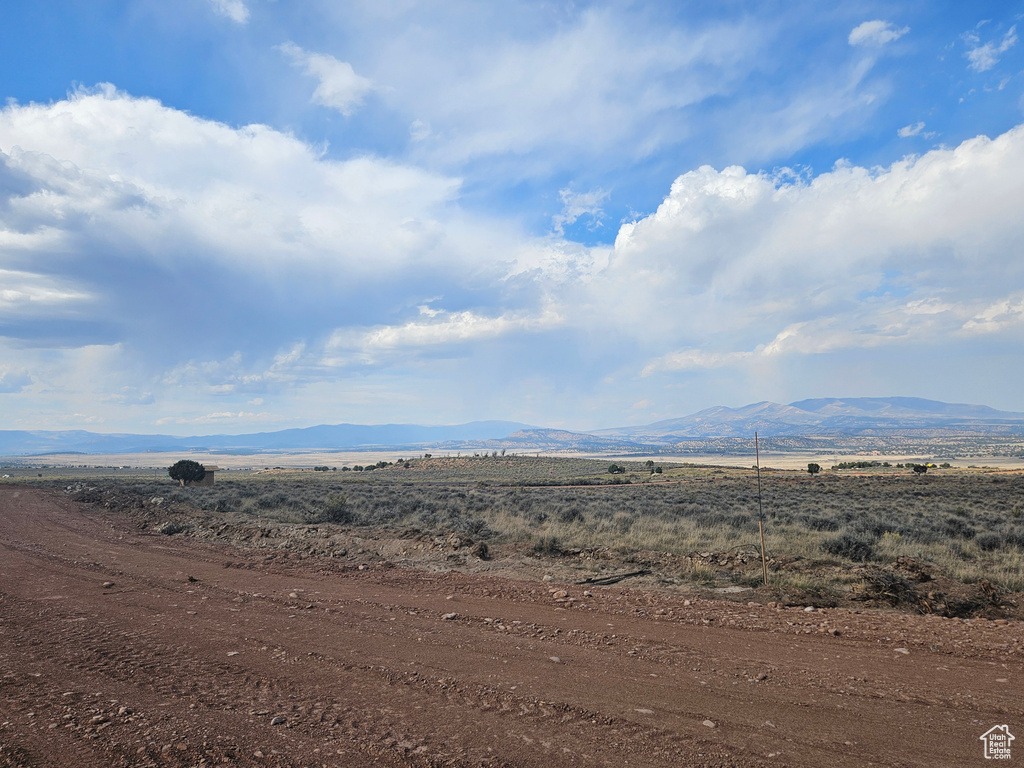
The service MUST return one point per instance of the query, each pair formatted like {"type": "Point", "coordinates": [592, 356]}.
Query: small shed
{"type": "Point", "coordinates": [208, 477]}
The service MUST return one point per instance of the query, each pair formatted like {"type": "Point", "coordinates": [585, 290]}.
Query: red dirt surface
{"type": "Point", "coordinates": [128, 648]}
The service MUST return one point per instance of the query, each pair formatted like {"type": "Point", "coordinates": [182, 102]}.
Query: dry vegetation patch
{"type": "Point", "coordinates": [948, 542]}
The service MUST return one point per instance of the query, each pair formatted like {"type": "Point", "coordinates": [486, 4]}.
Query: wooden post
{"type": "Point", "coordinates": [760, 510]}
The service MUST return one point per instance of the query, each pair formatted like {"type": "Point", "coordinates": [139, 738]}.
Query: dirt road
{"type": "Point", "coordinates": [126, 648]}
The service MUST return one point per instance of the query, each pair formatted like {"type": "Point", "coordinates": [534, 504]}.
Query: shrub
{"type": "Point", "coordinates": [958, 527]}
{"type": "Point", "coordinates": [816, 523]}
{"type": "Point", "coordinates": [989, 541]}
{"type": "Point", "coordinates": [570, 514]}
{"type": "Point", "coordinates": [548, 545]}
{"type": "Point", "coordinates": [856, 548]}
{"type": "Point", "coordinates": [475, 526]}
{"type": "Point", "coordinates": [1014, 537]}
{"type": "Point", "coordinates": [336, 510]}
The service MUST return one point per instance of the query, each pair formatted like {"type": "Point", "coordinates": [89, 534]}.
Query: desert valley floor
{"type": "Point", "coordinates": [121, 647]}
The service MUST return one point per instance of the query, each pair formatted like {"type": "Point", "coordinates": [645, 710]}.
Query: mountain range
{"type": "Point", "coordinates": [871, 417]}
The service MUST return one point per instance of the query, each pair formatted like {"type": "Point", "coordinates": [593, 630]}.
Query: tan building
{"type": "Point", "coordinates": [208, 477]}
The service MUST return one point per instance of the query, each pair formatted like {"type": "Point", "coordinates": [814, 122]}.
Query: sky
{"type": "Point", "coordinates": [232, 216]}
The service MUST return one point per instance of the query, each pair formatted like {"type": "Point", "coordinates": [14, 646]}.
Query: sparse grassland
{"type": "Point", "coordinates": [965, 524]}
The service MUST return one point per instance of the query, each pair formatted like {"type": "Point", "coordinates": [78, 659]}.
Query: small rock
{"type": "Point", "coordinates": [548, 577]}
{"type": "Point", "coordinates": [293, 595]}
{"type": "Point", "coordinates": [124, 711]}
{"type": "Point", "coordinates": [643, 711]}
{"type": "Point", "coordinates": [687, 603]}
{"type": "Point", "coordinates": [761, 676]}
{"type": "Point", "coordinates": [279, 720]}
{"type": "Point", "coordinates": [809, 609]}
{"type": "Point", "coordinates": [768, 724]}
{"type": "Point", "coordinates": [560, 594]}
{"type": "Point", "coordinates": [450, 616]}
{"type": "Point", "coordinates": [903, 651]}
{"type": "Point", "coordinates": [108, 584]}
{"type": "Point", "coordinates": [555, 659]}
{"type": "Point", "coordinates": [232, 653]}
{"type": "Point", "coordinates": [710, 723]}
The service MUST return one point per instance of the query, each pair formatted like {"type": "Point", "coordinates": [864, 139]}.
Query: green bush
{"type": "Point", "coordinates": [187, 471]}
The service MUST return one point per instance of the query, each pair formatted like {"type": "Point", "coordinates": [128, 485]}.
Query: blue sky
{"type": "Point", "coordinates": [245, 215]}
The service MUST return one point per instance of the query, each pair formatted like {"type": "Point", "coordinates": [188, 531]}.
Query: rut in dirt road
{"type": "Point", "coordinates": [200, 654]}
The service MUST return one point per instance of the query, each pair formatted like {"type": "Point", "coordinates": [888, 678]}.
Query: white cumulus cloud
{"type": "Point", "coordinates": [982, 57]}
{"type": "Point", "coordinates": [577, 204]}
{"type": "Point", "coordinates": [736, 267]}
{"type": "Point", "coordinates": [433, 328]}
{"type": "Point", "coordinates": [13, 379]}
{"type": "Point", "coordinates": [910, 130]}
{"type": "Point", "coordinates": [876, 32]}
{"type": "Point", "coordinates": [339, 87]}
{"type": "Point", "coordinates": [235, 10]}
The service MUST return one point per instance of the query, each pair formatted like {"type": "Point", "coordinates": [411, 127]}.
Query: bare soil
{"type": "Point", "coordinates": [126, 647]}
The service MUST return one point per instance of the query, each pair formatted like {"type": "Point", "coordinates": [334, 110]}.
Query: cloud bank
{"type": "Point", "coordinates": [192, 268]}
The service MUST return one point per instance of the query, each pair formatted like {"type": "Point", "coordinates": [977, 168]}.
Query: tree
{"type": "Point", "coordinates": [813, 469]}
{"type": "Point", "coordinates": [920, 468]}
{"type": "Point", "coordinates": [187, 471]}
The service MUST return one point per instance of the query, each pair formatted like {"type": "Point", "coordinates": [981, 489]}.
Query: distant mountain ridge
{"type": "Point", "coordinates": [324, 437]}
{"type": "Point", "coordinates": [824, 416]}
{"type": "Point", "coordinates": [861, 417]}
